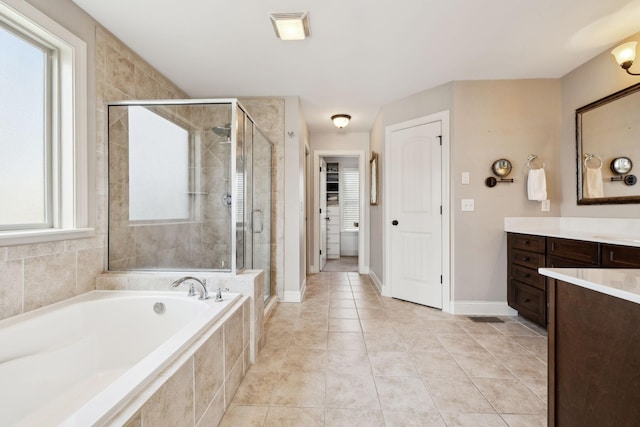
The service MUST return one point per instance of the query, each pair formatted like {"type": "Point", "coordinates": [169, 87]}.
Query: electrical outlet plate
{"type": "Point", "coordinates": [467, 205]}
{"type": "Point", "coordinates": [465, 178]}
{"type": "Point", "coordinates": [546, 205]}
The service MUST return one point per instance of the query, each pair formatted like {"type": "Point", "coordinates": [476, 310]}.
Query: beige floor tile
{"type": "Point", "coordinates": [436, 365]}
{"type": "Point", "coordinates": [481, 365]}
{"type": "Point", "coordinates": [246, 416]}
{"type": "Point", "coordinates": [480, 328]}
{"type": "Point", "coordinates": [523, 366]}
{"type": "Point", "coordinates": [422, 342]}
{"type": "Point", "coordinates": [392, 363]}
{"type": "Point", "coordinates": [412, 418]}
{"type": "Point", "coordinates": [341, 303]}
{"type": "Point", "coordinates": [256, 388]}
{"type": "Point", "coordinates": [343, 313]}
{"type": "Point", "coordinates": [446, 327]}
{"type": "Point", "coordinates": [277, 339]}
{"type": "Point", "coordinates": [474, 420]}
{"type": "Point", "coordinates": [294, 417]}
{"type": "Point", "coordinates": [377, 326]}
{"type": "Point", "coordinates": [383, 342]}
{"type": "Point", "coordinates": [514, 420]}
{"type": "Point", "coordinates": [363, 303]}
{"type": "Point", "coordinates": [538, 386]}
{"type": "Point", "coordinates": [353, 418]}
{"type": "Point", "coordinates": [514, 328]}
{"type": "Point", "coordinates": [353, 341]}
{"type": "Point", "coordinates": [348, 362]}
{"type": "Point", "coordinates": [510, 396]}
{"type": "Point", "coordinates": [339, 288]}
{"type": "Point", "coordinates": [372, 313]}
{"type": "Point", "coordinates": [351, 391]}
{"type": "Point", "coordinates": [344, 325]}
{"type": "Point", "coordinates": [312, 325]}
{"type": "Point", "coordinates": [305, 360]}
{"type": "Point", "coordinates": [303, 389]}
{"type": "Point", "coordinates": [457, 395]}
{"type": "Point", "coordinates": [309, 339]}
{"type": "Point", "coordinates": [460, 344]}
{"type": "Point", "coordinates": [342, 295]}
{"type": "Point", "coordinates": [536, 345]}
{"type": "Point", "coordinates": [500, 344]}
{"type": "Point", "coordinates": [404, 394]}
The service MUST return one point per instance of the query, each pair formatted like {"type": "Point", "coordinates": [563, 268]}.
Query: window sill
{"type": "Point", "coordinates": [27, 237]}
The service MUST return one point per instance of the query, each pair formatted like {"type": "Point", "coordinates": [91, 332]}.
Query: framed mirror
{"type": "Point", "coordinates": [608, 130]}
{"type": "Point", "coordinates": [373, 170]}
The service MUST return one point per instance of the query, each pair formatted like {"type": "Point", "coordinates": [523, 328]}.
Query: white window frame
{"type": "Point", "coordinates": [343, 198]}
{"type": "Point", "coordinates": [69, 174]}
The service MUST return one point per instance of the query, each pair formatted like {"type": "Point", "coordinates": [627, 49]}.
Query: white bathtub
{"type": "Point", "coordinates": [78, 362]}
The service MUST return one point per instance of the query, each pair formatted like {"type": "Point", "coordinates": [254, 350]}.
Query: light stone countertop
{"type": "Point", "coordinates": [616, 231]}
{"type": "Point", "coordinates": [619, 283]}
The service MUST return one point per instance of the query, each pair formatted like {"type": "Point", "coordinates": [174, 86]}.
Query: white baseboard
{"type": "Point", "coordinates": [296, 296]}
{"type": "Point", "coordinates": [482, 308]}
{"type": "Point", "coordinates": [376, 280]}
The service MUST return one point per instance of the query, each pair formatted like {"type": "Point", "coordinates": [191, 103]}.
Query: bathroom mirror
{"type": "Point", "coordinates": [608, 129]}
{"type": "Point", "coordinates": [501, 168]}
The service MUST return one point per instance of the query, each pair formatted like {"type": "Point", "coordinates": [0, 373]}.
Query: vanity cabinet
{"type": "Point", "coordinates": [526, 289]}
{"type": "Point", "coordinates": [616, 256]}
{"type": "Point", "coordinates": [594, 367]}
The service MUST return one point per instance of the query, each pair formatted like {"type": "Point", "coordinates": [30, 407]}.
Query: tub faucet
{"type": "Point", "coordinates": [204, 294]}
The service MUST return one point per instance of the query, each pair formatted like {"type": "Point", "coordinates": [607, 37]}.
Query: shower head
{"type": "Point", "coordinates": [222, 130]}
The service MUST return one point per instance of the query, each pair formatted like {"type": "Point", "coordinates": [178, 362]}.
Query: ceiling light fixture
{"type": "Point", "coordinates": [625, 54]}
{"type": "Point", "coordinates": [340, 120]}
{"type": "Point", "coordinates": [290, 26]}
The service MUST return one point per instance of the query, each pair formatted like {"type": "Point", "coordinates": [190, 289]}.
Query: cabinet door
{"type": "Point", "coordinates": [577, 250]}
{"type": "Point", "coordinates": [615, 256]}
{"type": "Point", "coordinates": [529, 301]}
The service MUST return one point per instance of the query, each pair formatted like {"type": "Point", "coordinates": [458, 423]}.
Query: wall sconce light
{"type": "Point", "coordinates": [290, 26]}
{"type": "Point", "coordinates": [625, 55]}
{"type": "Point", "coordinates": [341, 120]}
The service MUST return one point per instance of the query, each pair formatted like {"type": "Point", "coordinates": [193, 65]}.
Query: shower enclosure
{"type": "Point", "coordinates": [189, 188]}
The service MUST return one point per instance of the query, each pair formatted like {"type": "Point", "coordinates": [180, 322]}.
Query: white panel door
{"type": "Point", "coordinates": [415, 164]}
{"type": "Point", "coordinates": [323, 214]}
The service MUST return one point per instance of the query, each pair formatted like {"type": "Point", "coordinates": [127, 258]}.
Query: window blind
{"type": "Point", "coordinates": [350, 198]}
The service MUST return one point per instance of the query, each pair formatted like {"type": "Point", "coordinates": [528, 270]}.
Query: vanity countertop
{"type": "Point", "coordinates": [619, 283]}
{"type": "Point", "coordinates": [615, 231]}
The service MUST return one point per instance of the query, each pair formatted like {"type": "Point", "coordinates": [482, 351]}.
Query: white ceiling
{"type": "Point", "coordinates": [362, 54]}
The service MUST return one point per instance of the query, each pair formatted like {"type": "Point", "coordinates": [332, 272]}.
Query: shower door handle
{"type": "Point", "coordinates": [253, 221]}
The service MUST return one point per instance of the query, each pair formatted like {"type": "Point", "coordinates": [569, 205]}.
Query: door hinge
{"type": "Point", "coordinates": [320, 168]}
{"type": "Point", "coordinates": [441, 279]}
{"type": "Point", "coordinates": [320, 210]}
{"type": "Point", "coordinates": [320, 251]}
{"type": "Point", "coordinates": [440, 138]}
{"type": "Point", "coordinates": [440, 209]}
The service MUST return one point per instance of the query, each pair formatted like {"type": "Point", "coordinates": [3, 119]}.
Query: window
{"type": "Point", "coordinates": [350, 199]}
{"type": "Point", "coordinates": [43, 136]}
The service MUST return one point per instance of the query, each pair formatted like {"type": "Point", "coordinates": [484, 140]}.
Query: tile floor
{"type": "Point", "coordinates": [344, 263]}
{"type": "Point", "coordinates": [348, 357]}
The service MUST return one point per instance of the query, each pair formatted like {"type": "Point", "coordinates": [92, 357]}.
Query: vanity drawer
{"type": "Point", "coordinates": [577, 250]}
{"type": "Point", "coordinates": [530, 302]}
{"type": "Point", "coordinates": [558, 262]}
{"type": "Point", "coordinates": [527, 259]}
{"type": "Point", "coordinates": [620, 256]}
{"type": "Point", "coordinates": [528, 276]}
{"type": "Point", "coordinates": [527, 242]}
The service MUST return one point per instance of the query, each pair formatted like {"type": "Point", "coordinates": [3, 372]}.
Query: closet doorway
{"type": "Point", "coordinates": [339, 228]}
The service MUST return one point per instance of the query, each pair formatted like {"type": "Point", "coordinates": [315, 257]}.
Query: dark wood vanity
{"type": "Point", "coordinates": [527, 290]}
{"type": "Point", "coordinates": [594, 349]}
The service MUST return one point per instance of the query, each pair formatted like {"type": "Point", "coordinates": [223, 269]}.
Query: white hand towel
{"type": "Point", "coordinates": [593, 187]}
{"type": "Point", "coordinates": [537, 185]}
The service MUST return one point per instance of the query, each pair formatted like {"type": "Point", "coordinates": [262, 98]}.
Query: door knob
{"type": "Point", "coordinates": [394, 222]}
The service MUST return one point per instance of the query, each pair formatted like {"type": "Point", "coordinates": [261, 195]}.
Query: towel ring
{"type": "Point", "coordinates": [589, 157]}
{"type": "Point", "coordinates": [531, 158]}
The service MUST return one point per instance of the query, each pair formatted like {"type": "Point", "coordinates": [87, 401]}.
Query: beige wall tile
{"type": "Point", "coordinates": [172, 404]}
{"type": "Point", "coordinates": [90, 264]}
{"type": "Point", "coordinates": [48, 279]}
{"type": "Point", "coordinates": [214, 412]}
{"type": "Point", "coordinates": [232, 340]}
{"type": "Point", "coordinates": [135, 421]}
{"type": "Point", "coordinates": [232, 381]}
{"type": "Point", "coordinates": [209, 372]}
{"type": "Point", "coordinates": [11, 288]}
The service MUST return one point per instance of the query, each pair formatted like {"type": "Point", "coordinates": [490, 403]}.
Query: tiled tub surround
{"type": "Point", "coordinates": [249, 283]}
{"type": "Point", "coordinates": [616, 231]}
{"type": "Point", "coordinates": [80, 362]}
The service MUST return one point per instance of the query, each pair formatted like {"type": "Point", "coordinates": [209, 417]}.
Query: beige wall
{"type": "Point", "coordinates": [489, 120]}
{"type": "Point", "coordinates": [497, 119]}
{"type": "Point", "coordinates": [595, 79]}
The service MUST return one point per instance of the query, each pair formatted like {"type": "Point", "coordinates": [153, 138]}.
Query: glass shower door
{"type": "Point", "coordinates": [261, 209]}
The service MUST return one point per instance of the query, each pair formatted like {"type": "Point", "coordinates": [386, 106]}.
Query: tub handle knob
{"type": "Point", "coordinates": [219, 293]}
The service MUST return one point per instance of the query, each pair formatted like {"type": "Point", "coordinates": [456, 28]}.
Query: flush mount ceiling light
{"type": "Point", "coordinates": [625, 54]}
{"type": "Point", "coordinates": [340, 120]}
{"type": "Point", "coordinates": [290, 26]}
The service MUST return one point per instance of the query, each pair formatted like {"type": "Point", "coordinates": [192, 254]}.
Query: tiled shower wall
{"type": "Point", "coordinates": [36, 275]}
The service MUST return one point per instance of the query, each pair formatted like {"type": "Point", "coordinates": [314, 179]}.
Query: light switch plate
{"type": "Point", "coordinates": [467, 205]}
{"type": "Point", "coordinates": [546, 205]}
{"type": "Point", "coordinates": [465, 178]}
